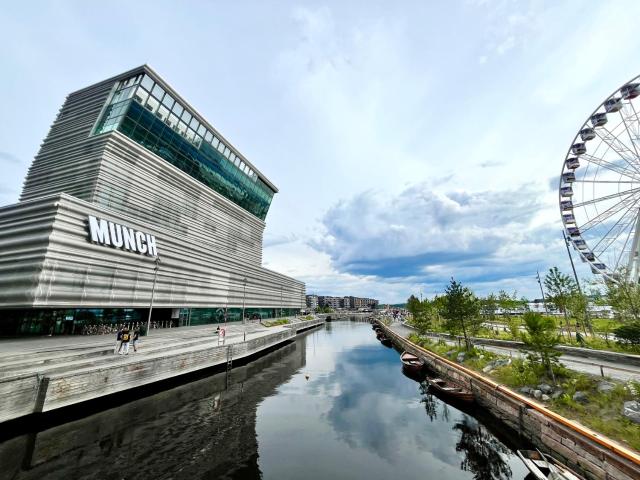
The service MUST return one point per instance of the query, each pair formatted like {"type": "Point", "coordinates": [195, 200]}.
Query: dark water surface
{"type": "Point", "coordinates": [355, 417]}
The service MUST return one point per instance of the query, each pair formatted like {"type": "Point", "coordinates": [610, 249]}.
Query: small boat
{"type": "Point", "coordinates": [544, 467]}
{"type": "Point", "coordinates": [411, 363]}
{"type": "Point", "coordinates": [450, 389]}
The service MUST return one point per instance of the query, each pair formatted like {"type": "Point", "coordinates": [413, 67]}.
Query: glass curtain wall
{"type": "Point", "coordinates": [143, 111]}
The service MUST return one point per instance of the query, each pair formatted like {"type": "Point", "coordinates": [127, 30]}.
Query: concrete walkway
{"type": "Point", "coordinates": [615, 370]}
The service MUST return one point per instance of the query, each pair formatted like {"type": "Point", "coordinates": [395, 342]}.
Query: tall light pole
{"type": "Point", "coordinates": [244, 294]}
{"type": "Point", "coordinates": [280, 301]}
{"type": "Point", "coordinates": [153, 291]}
{"type": "Point", "coordinates": [544, 301]}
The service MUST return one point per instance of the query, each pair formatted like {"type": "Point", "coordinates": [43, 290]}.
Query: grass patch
{"type": "Point", "coordinates": [278, 321]}
{"type": "Point", "coordinates": [602, 412]}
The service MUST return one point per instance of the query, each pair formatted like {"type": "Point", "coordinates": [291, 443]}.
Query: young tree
{"type": "Point", "coordinates": [413, 305]}
{"type": "Point", "coordinates": [461, 311]}
{"type": "Point", "coordinates": [560, 287]}
{"type": "Point", "coordinates": [624, 297]}
{"type": "Point", "coordinates": [488, 307]}
{"type": "Point", "coordinates": [540, 338]}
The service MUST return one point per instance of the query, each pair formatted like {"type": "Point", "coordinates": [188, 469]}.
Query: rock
{"type": "Point", "coordinates": [544, 388]}
{"type": "Point", "coordinates": [537, 394]}
{"type": "Point", "coordinates": [557, 394]}
{"type": "Point", "coordinates": [525, 390]}
{"type": "Point", "coordinates": [631, 410]}
{"type": "Point", "coordinates": [580, 397]}
{"type": "Point", "coordinates": [545, 398]}
{"type": "Point", "coordinates": [449, 353]}
{"type": "Point", "coordinates": [487, 368]}
{"type": "Point", "coordinates": [461, 356]}
{"type": "Point", "coordinates": [481, 357]}
{"type": "Point", "coordinates": [605, 387]}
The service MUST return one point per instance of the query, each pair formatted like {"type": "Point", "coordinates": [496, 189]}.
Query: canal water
{"type": "Point", "coordinates": [334, 404]}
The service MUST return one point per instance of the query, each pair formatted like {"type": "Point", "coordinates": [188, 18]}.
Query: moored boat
{"type": "Point", "coordinates": [544, 467]}
{"type": "Point", "coordinates": [411, 363]}
{"type": "Point", "coordinates": [450, 389]}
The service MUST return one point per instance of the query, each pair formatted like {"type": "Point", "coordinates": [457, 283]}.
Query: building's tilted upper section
{"type": "Point", "coordinates": [145, 109]}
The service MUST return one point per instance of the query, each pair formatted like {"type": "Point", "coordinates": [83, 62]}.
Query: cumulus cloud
{"type": "Point", "coordinates": [426, 236]}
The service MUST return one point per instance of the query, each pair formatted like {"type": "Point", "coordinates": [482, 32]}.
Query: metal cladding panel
{"type": "Point", "coordinates": [24, 237]}
{"type": "Point", "coordinates": [141, 185]}
{"type": "Point", "coordinates": [69, 159]}
{"type": "Point", "coordinates": [78, 273]}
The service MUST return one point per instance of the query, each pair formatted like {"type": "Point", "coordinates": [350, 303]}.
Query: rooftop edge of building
{"type": "Point", "coordinates": [146, 69]}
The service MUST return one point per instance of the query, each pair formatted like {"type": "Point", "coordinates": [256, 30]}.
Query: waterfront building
{"type": "Point", "coordinates": [312, 301]}
{"type": "Point", "coordinates": [135, 195]}
{"type": "Point", "coordinates": [346, 302]}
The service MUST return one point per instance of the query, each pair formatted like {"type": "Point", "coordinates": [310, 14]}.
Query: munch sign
{"type": "Point", "coordinates": [112, 234]}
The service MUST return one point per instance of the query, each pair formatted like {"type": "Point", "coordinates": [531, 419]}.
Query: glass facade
{"type": "Point", "coordinates": [141, 109]}
{"type": "Point", "coordinates": [97, 321]}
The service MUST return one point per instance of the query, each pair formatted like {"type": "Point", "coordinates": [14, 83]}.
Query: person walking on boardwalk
{"type": "Point", "coordinates": [126, 338]}
{"type": "Point", "coordinates": [118, 346]}
{"type": "Point", "coordinates": [221, 336]}
{"type": "Point", "coordinates": [136, 339]}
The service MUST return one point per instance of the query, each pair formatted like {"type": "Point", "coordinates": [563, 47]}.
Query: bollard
{"type": "Point", "coordinates": [601, 371]}
{"type": "Point", "coordinates": [245, 336]}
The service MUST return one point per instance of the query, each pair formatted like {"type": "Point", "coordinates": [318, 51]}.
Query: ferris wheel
{"type": "Point", "coordinates": [599, 192]}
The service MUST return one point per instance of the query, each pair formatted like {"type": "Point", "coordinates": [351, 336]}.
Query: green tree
{"type": "Point", "coordinates": [488, 307]}
{"type": "Point", "coordinates": [624, 297]}
{"type": "Point", "coordinates": [540, 339]}
{"type": "Point", "coordinates": [560, 287]}
{"type": "Point", "coordinates": [461, 311]}
{"type": "Point", "coordinates": [413, 305]}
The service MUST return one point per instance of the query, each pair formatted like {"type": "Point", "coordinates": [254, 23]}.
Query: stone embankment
{"type": "Point", "coordinates": [45, 381]}
{"type": "Point", "coordinates": [587, 452]}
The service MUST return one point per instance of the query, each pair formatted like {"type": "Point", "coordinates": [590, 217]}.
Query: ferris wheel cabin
{"type": "Point", "coordinates": [599, 119]}
{"type": "Point", "coordinates": [569, 218]}
{"type": "Point", "coordinates": [579, 243]}
{"type": "Point", "coordinates": [568, 177]}
{"type": "Point", "coordinates": [573, 231]}
{"type": "Point", "coordinates": [613, 104]}
{"type": "Point", "coordinates": [630, 91]}
{"type": "Point", "coordinates": [566, 205]}
{"type": "Point", "coordinates": [587, 134]}
{"type": "Point", "coordinates": [572, 163]}
{"type": "Point", "coordinates": [579, 148]}
{"type": "Point", "coordinates": [566, 191]}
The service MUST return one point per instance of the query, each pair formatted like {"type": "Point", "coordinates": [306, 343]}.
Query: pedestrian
{"type": "Point", "coordinates": [136, 339]}
{"type": "Point", "coordinates": [221, 336]}
{"type": "Point", "coordinates": [126, 337]}
{"type": "Point", "coordinates": [118, 346]}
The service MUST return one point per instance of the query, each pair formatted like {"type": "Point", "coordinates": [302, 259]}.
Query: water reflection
{"type": "Point", "coordinates": [334, 404]}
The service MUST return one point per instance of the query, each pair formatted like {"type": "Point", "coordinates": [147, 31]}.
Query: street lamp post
{"type": "Point", "coordinates": [244, 294]}
{"type": "Point", "coordinates": [280, 301]}
{"type": "Point", "coordinates": [153, 291]}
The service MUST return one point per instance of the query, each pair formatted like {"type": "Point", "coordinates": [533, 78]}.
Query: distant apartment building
{"type": "Point", "coordinates": [312, 301]}
{"type": "Point", "coordinates": [347, 302]}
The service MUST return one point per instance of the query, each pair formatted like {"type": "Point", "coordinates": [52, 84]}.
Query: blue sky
{"type": "Point", "coordinates": [410, 141]}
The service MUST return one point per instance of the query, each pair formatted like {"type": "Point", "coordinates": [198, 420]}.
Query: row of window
{"type": "Point", "coordinates": [154, 98]}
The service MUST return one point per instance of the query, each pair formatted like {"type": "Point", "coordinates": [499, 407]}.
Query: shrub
{"type": "Point", "coordinates": [628, 334]}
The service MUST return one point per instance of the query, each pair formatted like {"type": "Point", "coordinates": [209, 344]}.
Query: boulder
{"type": "Point", "coordinates": [487, 368]}
{"type": "Point", "coordinates": [545, 397]}
{"type": "Point", "coordinates": [545, 388]}
{"type": "Point", "coordinates": [605, 387]}
{"type": "Point", "coordinates": [537, 394]}
{"type": "Point", "coordinates": [461, 356]}
{"type": "Point", "coordinates": [525, 390]}
{"type": "Point", "coordinates": [631, 410]}
{"type": "Point", "coordinates": [449, 353]}
{"type": "Point", "coordinates": [557, 394]}
{"type": "Point", "coordinates": [580, 397]}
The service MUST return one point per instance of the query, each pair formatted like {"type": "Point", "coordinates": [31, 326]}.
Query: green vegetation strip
{"type": "Point", "coordinates": [591, 401]}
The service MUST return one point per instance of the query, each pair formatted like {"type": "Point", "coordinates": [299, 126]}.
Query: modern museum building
{"type": "Point", "coordinates": [134, 200]}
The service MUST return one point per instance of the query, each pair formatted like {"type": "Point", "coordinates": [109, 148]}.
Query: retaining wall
{"type": "Point", "coordinates": [587, 452]}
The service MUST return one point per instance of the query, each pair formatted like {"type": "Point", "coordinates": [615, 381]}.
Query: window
{"type": "Point", "coordinates": [141, 95]}
{"type": "Point", "coordinates": [182, 128]}
{"type": "Point", "coordinates": [147, 83]}
{"type": "Point", "coordinates": [221, 147]}
{"type": "Point", "coordinates": [208, 136]}
{"type": "Point", "coordinates": [177, 109]}
{"type": "Point", "coordinates": [186, 117]}
{"type": "Point", "coordinates": [168, 101]}
{"type": "Point", "coordinates": [172, 121]}
{"type": "Point", "coordinates": [157, 92]}
{"type": "Point", "coordinates": [202, 130]}
{"type": "Point", "coordinates": [215, 142]}
{"type": "Point", "coordinates": [190, 135]}
{"type": "Point", "coordinates": [194, 124]}
{"type": "Point", "coordinates": [226, 152]}
{"type": "Point", "coordinates": [163, 112]}
{"type": "Point", "coordinates": [152, 104]}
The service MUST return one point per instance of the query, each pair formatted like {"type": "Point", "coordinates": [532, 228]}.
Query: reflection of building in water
{"type": "Point", "coordinates": [197, 430]}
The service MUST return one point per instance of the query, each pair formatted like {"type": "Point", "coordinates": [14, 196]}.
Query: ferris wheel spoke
{"type": "Point", "coordinates": [584, 180]}
{"type": "Point", "coordinates": [615, 144]}
{"type": "Point", "coordinates": [624, 247]}
{"type": "Point", "coordinates": [610, 166]}
{"type": "Point", "coordinates": [609, 212]}
{"type": "Point", "coordinates": [628, 130]}
{"type": "Point", "coordinates": [608, 233]}
{"type": "Point", "coordinates": [609, 238]}
{"type": "Point", "coordinates": [607, 197]}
